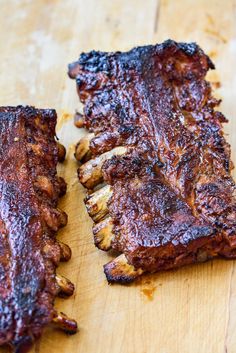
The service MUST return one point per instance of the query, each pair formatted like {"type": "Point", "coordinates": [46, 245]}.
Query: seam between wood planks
{"type": "Point", "coordinates": [228, 307]}
{"type": "Point", "coordinates": [157, 15]}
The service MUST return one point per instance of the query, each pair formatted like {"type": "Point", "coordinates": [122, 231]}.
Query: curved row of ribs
{"type": "Point", "coordinates": [29, 220]}
{"type": "Point", "coordinates": [156, 141]}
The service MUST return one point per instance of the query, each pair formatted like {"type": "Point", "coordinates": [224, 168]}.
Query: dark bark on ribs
{"type": "Point", "coordinates": [173, 197]}
{"type": "Point", "coordinates": [29, 252]}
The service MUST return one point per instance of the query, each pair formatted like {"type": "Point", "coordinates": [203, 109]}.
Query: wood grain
{"type": "Point", "coordinates": [192, 309]}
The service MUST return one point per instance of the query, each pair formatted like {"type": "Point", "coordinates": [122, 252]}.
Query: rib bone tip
{"type": "Point", "coordinates": [120, 271]}
{"type": "Point", "coordinates": [79, 120]}
{"type": "Point", "coordinates": [66, 324]}
{"type": "Point", "coordinates": [65, 252]}
{"type": "Point", "coordinates": [90, 173]}
{"type": "Point", "coordinates": [96, 203]}
{"type": "Point", "coordinates": [82, 150]}
{"type": "Point", "coordinates": [103, 234]}
{"type": "Point", "coordinates": [61, 152]}
{"type": "Point", "coordinates": [66, 287]}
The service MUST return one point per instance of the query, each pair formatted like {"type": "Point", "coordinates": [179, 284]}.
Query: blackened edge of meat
{"type": "Point", "coordinates": [98, 61]}
{"type": "Point", "coordinates": [28, 285]}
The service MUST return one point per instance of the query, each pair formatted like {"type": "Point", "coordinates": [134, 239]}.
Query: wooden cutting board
{"type": "Point", "coordinates": [189, 310]}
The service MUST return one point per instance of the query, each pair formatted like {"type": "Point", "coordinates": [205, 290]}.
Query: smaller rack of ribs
{"type": "Point", "coordinates": [157, 142]}
{"type": "Point", "coordinates": [29, 220]}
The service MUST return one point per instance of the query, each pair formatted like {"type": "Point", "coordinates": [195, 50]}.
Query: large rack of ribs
{"type": "Point", "coordinates": [156, 141]}
{"type": "Point", "coordinates": [29, 220]}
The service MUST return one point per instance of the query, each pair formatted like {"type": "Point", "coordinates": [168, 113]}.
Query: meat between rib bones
{"type": "Point", "coordinates": [29, 220]}
{"type": "Point", "coordinates": [171, 197]}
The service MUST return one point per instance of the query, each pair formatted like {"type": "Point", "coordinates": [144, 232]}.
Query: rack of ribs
{"type": "Point", "coordinates": [156, 141]}
{"type": "Point", "coordinates": [29, 220]}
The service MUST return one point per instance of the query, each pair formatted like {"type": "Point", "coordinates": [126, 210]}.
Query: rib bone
{"type": "Point", "coordinates": [90, 173]}
{"type": "Point", "coordinates": [96, 203]}
{"type": "Point", "coordinates": [61, 152]}
{"type": "Point", "coordinates": [66, 324]}
{"type": "Point", "coordinates": [103, 235]}
{"type": "Point", "coordinates": [62, 186]}
{"type": "Point", "coordinates": [78, 120]}
{"type": "Point", "coordinates": [54, 218]}
{"type": "Point", "coordinates": [82, 147]}
{"type": "Point", "coordinates": [65, 285]}
{"type": "Point", "coordinates": [120, 271]}
{"type": "Point", "coordinates": [65, 252]}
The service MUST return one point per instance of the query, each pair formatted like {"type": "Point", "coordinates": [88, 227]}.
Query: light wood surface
{"type": "Point", "coordinates": [189, 310]}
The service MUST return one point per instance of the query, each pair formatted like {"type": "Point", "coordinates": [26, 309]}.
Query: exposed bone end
{"type": "Point", "coordinates": [66, 324]}
{"type": "Point", "coordinates": [120, 271]}
{"type": "Point", "coordinates": [44, 185]}
{"type": "Point", "coordinates": [54, 218]}
{"type": "Point", "coordinates": [103, 235]}
{"type": "Point", "coordinates": [74, 69]}
{"type": "Point", "coordinates": [61, 152]}
{"type": "Point", "coordinates": [79, 120]}
{"type": "Point", "coordinates": [96, 203]}
{"type": "Point", "coordinates": [82, 150]}
{"type": "Point", "coordinates": [62, 186]}
{"type": "Point", "coordinates": [90, 173]}
{"type": "Point", "coordinates": [66, 287]}
{"type": "Point", "coordinates": [63, 219]}
{"type": "Point", "coordinates": [65, 252]}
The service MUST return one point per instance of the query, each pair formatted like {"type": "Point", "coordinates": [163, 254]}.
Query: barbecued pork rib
{"type": "Point", "coordinates": [29, 219]}
{"type": "Point", "coordinates": [171, 195]}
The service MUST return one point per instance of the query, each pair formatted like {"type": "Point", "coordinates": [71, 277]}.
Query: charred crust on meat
{"type": "Point", "coordinates": [173, 198]}
{"type": "Point", "coordinates": [29, 219]}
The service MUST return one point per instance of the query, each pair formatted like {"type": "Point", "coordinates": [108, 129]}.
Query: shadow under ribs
{"type": "Point", "coordinates": [29, 219]}
{"type": "Point", "coordinates": [172, 196]}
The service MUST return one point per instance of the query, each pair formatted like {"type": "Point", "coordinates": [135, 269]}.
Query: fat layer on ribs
{"type": "Point", "coordinates": [172, 196]}
{"type": "Point", "coordinates": [29, 219]}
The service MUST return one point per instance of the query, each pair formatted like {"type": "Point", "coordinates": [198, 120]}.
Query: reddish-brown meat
{"type": "Point", "coordinates": [29, 219]}
{"type": "Point", "coordinates": [173, 196]}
